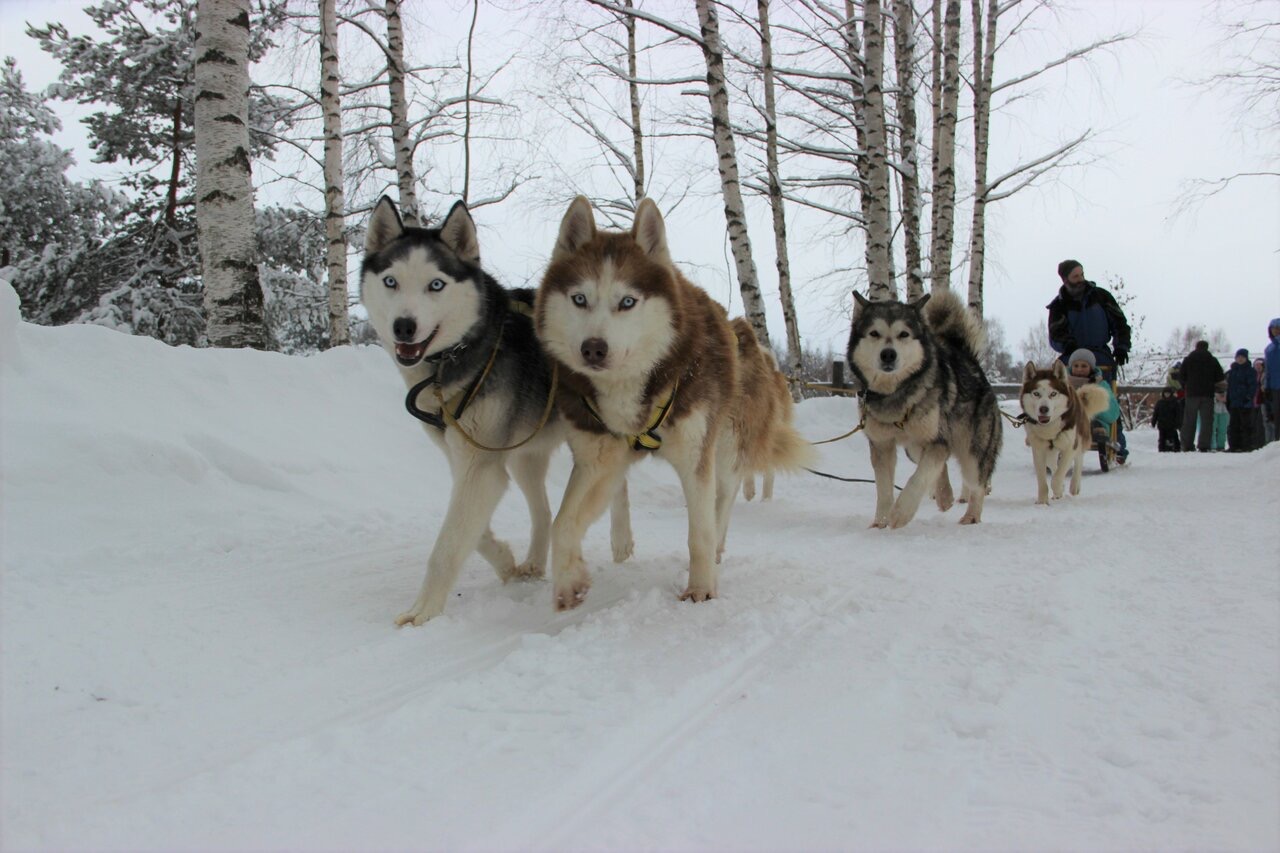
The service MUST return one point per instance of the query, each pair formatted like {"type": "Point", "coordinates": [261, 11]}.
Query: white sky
{"type": "Point", "coordinates": [1218, 266]}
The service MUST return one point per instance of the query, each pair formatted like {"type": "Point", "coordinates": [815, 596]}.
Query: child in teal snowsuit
{"type": "Point", "coordinates": [1084, 369]}
{"type": "Point", "coordinates": [1221, 420]}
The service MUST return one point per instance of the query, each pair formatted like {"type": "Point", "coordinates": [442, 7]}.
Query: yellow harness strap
{"type": "Point", "coordinates": [649, 439]}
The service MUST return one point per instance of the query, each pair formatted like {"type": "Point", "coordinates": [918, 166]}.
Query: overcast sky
{"type": "Point", "coordinates": [1217, 265]}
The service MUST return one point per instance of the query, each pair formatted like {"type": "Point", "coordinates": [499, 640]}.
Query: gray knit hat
{"type": "Point", "coordinates": [1083, 354]}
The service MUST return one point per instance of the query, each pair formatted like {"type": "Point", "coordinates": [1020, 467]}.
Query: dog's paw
{"type": "Point", "coordinates": [945, 502]}
{"type": "Point", "coordinates": [623, 551]}
{"type": "Point", "coordinates": [969, 519]}
{"type": "Point", "coordinates": [878, 524]}
{"type": "Point", "coordinates": [1042, 501]}
{"type": "Point", "coordinates": [418, 614]}
{"type": "Point", "coordinates": [572, 592]}
{"type": "Point", "coordinates": [749, 488]}
{"type": "Point", "coordinates": [697, 594]}
{"type": "Point", "coordinates": [1075, 490]}
{"type": "Point", "coordinates": [900, 517]}
{"type": "Point", "coordinates": [526, 571]}
{"type": "Point", "coordinates": [1057, 496]}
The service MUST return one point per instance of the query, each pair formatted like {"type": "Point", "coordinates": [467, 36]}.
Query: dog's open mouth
{"type": "Point", "coordinates": [411, 354]}
{"type": "Point", "coordinates": [1044, 419]}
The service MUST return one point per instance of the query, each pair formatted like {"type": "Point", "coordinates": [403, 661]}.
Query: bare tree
{"type": "Point", "coordinates": [224, 185]}
{"type": "Point", "coordinates": [1035, 347]}
{"type": "Point", "coordinates": [946, 108]}
{"type": "Point", "coordinates": [406, 177]}
{"type": "Point", "coordinates": [334, 194]}
{"type": "Point", "coordinates": [904, 50]}
{"type": "Point", "coordinates": [879, 246]}
{"type": "Point", "coordinates": [776, 203]}
{"type": "Point", "coordinates": [984, 59]}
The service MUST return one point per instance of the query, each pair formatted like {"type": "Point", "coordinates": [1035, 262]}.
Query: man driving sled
{"type": "Point", "coordinates": [1084, 316]}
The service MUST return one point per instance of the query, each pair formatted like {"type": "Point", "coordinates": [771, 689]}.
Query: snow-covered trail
{"type": "Point", "coordinates": [203, 553]}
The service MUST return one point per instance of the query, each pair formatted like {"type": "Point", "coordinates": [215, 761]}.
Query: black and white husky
{"type": "Point", "coordinates": [462, 340]}
{"type": "Point", "coordinates": [925, 389]}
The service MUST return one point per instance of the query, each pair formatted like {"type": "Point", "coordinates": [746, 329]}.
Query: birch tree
{"type": "Point", "coordinates": [224, 186]}
{"type": "Point", "coordinates": [879, 246]}
{"type": "Point", "coordinates": [727, 164]}
{"type": "Point", "coordinates": [984, 57]}
{"type": "Point", "coordinates": [777, 206]}
{"type": "Point", "coordinates": [334, 195]}
{"type": "Point", "coordinates": [406, 177]}
{"type": "Point", "coordinates": [946, 108]}
{"type": "Point", "coordinates": [904, 54]}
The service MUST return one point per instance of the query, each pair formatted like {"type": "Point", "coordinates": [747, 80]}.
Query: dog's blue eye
{"type": "Point", "coordinates": [580, 300]}
{"type": "Point", "coordinates": [627, 303]}
{"type": "Point", "coordinates": [436, 284]}
{"type": "Point", "coordinates": [389, 281]}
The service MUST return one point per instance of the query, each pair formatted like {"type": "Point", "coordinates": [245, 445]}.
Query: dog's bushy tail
{"type": "Point", "coordinates": [950, 319]}
{"type": "Point", "coordinates": [1094, 399]}
{"type": "Point", "coordinates": [767, 438]}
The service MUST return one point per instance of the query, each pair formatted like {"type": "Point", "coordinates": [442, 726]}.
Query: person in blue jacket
{"type": "Point", "coordinates": [1085, 316]}
{"type": "Point", "coordinates": [1242, 387]}
{"type": "Point", "coordinates": [1271, 375]}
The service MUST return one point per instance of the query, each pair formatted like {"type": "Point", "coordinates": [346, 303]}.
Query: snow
{"type": "Point", "coordinates": [203, 552]}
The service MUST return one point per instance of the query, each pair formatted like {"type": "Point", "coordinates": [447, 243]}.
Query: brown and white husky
{"type": "Point", "coordinates": [1057, 424]}
{"type": "Point", "coordinates": [649, 365]}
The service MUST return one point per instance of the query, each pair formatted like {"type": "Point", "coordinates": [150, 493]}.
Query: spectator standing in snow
{"type": "Point", "coordinates": [1201, 373]}
{"type": "Point", "coordinates": [1165, 419]}
{"type": "Point", "coordinates": [1262, 426]}
{"type": "Point", "coordinates": [1242, 388]}
{"type": "Point", "coordinates": [1221, 420]}
{"type": "Point", "coordinates": [1271, 377]}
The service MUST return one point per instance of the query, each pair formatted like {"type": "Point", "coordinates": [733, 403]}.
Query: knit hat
{"type": "Point", "coordinates": [1242, 352]}
{"type": "Point", "coordinates": [1083, 354]}
{"type": "Point", "coordinates": [1065, 268]}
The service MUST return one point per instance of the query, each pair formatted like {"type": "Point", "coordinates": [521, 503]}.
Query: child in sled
{"type": "Point", "coordinates": [1084, 368]}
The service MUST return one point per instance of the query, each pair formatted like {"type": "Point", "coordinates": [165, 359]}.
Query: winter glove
{"type": "Point", "coordinates": [1122, 357]}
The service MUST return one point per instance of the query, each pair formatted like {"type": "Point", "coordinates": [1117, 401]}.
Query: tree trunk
{"type": "Point", "coordinates": [945, 112]}
{"type": "Point", "coordinates": [224, 185]}
{"type": "Point", "coordinates": [879, 234]}
{"type": "Point", "coordinates": [175, 170]}
{"type": "Point", "coordinates": [406, 179]}
{"type": "Point", "coordinates": [633, 89]}
{"type": "Point", "coordinates": [904, 44]}
{"type": "Point", "coordinates": [983, 62]}
{"type": "Point", "coordinates": [727, 161]}
{"type": "Point", "coordinates": [334, 201]}
{"type": "Point", "coordinates": [794, 356]}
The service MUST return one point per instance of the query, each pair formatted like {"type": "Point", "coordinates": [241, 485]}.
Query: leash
{"type": "Point", "coordinates": [1017, 422]}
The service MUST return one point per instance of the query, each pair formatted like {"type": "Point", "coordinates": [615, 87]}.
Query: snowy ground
{"type": "Point", "coordinates": [203, 552]}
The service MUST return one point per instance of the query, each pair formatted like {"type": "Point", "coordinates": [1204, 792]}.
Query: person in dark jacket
{"type": "Point", "coordinates": [1165, 419]}
{"type": "Point", "coordinates": [1271, 376]}
{"type": "Point", "coordinates": [1201, 373]}
{"type": "Point", "coordinates": [1084, 315]}
{"type": "Point", "coordinates": [1242, 387]}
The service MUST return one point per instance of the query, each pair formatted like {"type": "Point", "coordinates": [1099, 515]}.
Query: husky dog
{"type": "Point", "coordinates": [770, 396]}
{"type": "Point", "coordinates": [461, 339]}
{"type": "Point", "coordinates": [1057, 419]}
{"type": "Point", "coordinates": [648, 364]}
{"type": "Point", "coordinates": [924, 388]}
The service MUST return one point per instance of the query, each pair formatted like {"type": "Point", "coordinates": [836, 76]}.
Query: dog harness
{"type": "Point", "coordinates": [649, 439]}
{"type": "Point", "coordinates": [460, 401]}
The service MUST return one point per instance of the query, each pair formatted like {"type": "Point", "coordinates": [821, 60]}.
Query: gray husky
{"type": "Point", "coordinates": [479, 382]}
{"type": "Point", "coordinates": [924, 389]}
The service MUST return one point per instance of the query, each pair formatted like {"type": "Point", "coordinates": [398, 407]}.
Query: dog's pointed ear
{"type": "Point", "coordinates": [384, 226]}
{"type": "Point", "coordinates": [650, 231]}
{"type": "Point", "coordinates": [921, 302]}
{"type": "Point", "coordinates": [1029, 371]}
{"type": "Point", "coordinates": [459, 233]}
{"type": "Point", "coordinates": [576, 229]}
{"type": "Point", "coordinates": [860, 300]}
{"type": "Point", "coordinates": [1060, 369]}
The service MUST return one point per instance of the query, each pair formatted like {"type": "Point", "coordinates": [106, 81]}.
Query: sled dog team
{"type": "Point", "coordinates": [621, 356]}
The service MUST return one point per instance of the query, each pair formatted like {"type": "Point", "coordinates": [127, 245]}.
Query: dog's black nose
{"type": "Point", "coordinates": [405, 329]}
{"type": "Point", "coordinates": [1044, 410]}
{"type": "Point", "coordinates": [888, 355]}
{"type": "Point", "coordinates": [595, 351]}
